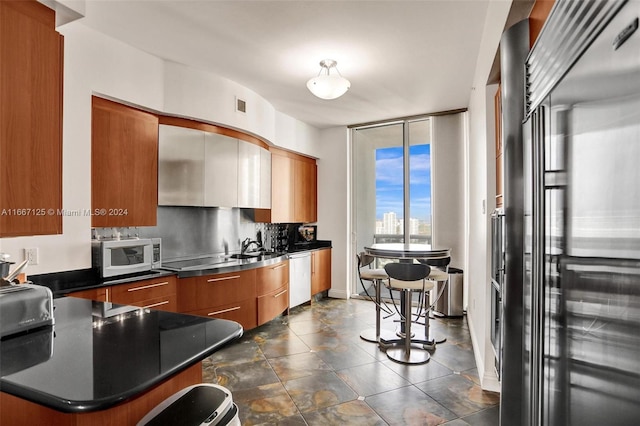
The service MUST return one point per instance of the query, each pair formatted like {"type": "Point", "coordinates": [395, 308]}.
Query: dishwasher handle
{"type": "Point", "coordinates": [300, 255]}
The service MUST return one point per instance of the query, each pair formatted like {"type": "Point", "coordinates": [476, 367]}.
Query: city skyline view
{"type": "Point", "coordinates": [389, 182]}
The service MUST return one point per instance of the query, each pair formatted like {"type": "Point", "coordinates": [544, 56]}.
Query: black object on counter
{"type": "Point", "coordinates": [98, 360]}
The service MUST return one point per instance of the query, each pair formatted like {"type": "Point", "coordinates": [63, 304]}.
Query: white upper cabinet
{"type": "Point", "coordinates": [265, 179]}
{"type": "Point", "coordinates": [198, 168]}
{"type": "Point", "coordinates": [249, 169]}
{"type": "Point", "coordinates": [221, 176]}
{"type": "Point", "coordinates": [180, 166]}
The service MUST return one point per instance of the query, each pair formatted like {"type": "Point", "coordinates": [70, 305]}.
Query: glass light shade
{"type": "Point", "coordinates": [328, 86]}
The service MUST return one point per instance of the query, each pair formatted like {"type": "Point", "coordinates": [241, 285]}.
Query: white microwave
{"type": "Point", "coordinates": [121, 257]}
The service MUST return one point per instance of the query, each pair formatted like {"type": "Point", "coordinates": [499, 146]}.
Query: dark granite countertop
{"type": "Point", "coordinates": [98, 354]}
{"type": "Point", "coordinates": [63, 283]}
{"type": "Point", "coordinates": [313, 245]}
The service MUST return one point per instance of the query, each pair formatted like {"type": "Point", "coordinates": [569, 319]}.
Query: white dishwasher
{"type": "Point", "coordinates": [299, 278]}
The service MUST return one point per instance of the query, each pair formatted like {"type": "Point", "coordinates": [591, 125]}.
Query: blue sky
{"type": "Point", "coordinates": [389, 181]}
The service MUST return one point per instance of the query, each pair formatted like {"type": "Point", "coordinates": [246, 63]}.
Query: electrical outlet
{"type": "Point", "coordinates": [32, 256]}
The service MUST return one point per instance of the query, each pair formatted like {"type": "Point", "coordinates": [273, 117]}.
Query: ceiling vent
{"type": "Point", "coordinates": [241, 105]}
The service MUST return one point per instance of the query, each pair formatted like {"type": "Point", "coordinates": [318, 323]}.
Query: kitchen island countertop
{"type": "Point", "coordinates": [98, 355]}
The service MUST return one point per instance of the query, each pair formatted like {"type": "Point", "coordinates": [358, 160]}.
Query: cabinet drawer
{"type": "Point", "coordinates": [215, 290]}
{"type": "Point", "coordinates": [135, 292]}
{"type": "Point", "coordinates": [98, 294]}
{"type": "Point", "coordinates": [271, 278]}
{"type": "Point", "coordinates": [243, 311]}
{"type": "Point", "coordinates": [164, 303]}
{"type": "Point", "coordinates": [272, 304]}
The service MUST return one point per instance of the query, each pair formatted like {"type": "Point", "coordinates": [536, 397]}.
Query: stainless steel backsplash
{"type": "Point", "coordinates": [189, 232]}
{"type": "Point", "coordinates": [200, 231]}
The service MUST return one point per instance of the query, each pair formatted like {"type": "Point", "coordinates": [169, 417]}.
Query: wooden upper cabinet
{"type": "Point", "coordinates": [305, 190]}
{"type": "Point", "coordinates": [538, 16]}
{"type": "Point", "coordinates": [31, 65]}
{"type": "Point", "coordinates": [282, 175]}
{"type": "Point", "coordinates": [124, 165]}
{"type": "Point", "coordinates": [293, 189]}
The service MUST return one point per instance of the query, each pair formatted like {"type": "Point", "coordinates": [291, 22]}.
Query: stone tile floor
{"type": "Point", "coordinates": [312, 368]}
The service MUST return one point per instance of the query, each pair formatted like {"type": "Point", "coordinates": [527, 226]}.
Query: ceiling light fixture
{"type": "Point", "coordinates": [327, 85]}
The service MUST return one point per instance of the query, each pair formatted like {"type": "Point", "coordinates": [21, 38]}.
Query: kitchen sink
{"type": "Point", "coordinates": [245, 255]}
{"type": "Point", "coordinates": [250, 255]}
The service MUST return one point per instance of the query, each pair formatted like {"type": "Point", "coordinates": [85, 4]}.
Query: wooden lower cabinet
{"type": "Point", "coordinates": [272, 291]}
{"type": "Point", "coordinates": [273, 304]}
{"type": "Point", "coordinates": [251, 297]}
{"type": "Point", "coordinates": [99, 294]}
{"type": "Point", "coordinates": [320, 271]}
{"type": "Point", "coordinates": [18, 411]}
{"type": "Point", "coordinates": [157, 293]}
{"type": "Point", "coordinates": [229, 296]}
{"type": "Point", "coordinates": [243, 312]}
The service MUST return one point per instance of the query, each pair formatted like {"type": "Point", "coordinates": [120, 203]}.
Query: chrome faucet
{"type": "Point", "coordinates": [247, 242]}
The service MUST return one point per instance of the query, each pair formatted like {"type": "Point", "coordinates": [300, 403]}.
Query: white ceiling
{"type": "Point", "coordinates": [402, 57]}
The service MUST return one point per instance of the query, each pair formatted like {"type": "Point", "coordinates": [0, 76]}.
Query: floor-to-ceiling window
{"type": "Point", "coordinates": [392, 183]}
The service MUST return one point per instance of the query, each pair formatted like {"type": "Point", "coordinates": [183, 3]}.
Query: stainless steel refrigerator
{"type": "Point", "coordinates": [581, 263]}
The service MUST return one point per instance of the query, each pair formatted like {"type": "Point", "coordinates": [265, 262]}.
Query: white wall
{"type": "Point", "coordinates": [447, 189]}
{"type": "Point", "coordinates": [97, 64]}
{"type": "Point", "coordinates": [481, 189]}
{"type": "Point", "coordinates": [333, 204]}
{"type": "Point", "coordinates": [198, 94]}
{"type": "Point", "coordinates": [297, 136]}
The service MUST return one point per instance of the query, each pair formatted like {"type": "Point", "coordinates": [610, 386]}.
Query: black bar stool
{"type": "Point", "coordinates": [407, 278]}
{"type": "Point", "coordinates": [376, 277]}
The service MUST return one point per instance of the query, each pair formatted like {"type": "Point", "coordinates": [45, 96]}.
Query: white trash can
{"type": "Point", "coordinates": [198, 405]}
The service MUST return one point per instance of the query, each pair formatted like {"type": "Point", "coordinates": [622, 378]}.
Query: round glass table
{"type": "Point", "coordinates": [404, 252]}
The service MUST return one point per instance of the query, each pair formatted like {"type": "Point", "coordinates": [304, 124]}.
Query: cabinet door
{"type": "Point", "coordinates": [305, 194]}
{"type": "Point", "coordinates": [272, 277]}
{"type": "Point", "coordinates": [265, 179]}
{"type": "Point", "coordinates": [248, 175]}
{"type": "Point", "coordinates": [229, 296]}
{"type": "Point", "coordinates": [293, 189]}
{"type": "Point", "coordinates": [99, 294]}
{"type": "Point", "coordinates": [320, 271]}
{"type": "Point", "coordinates": [30, 120]}
{"type": "Point", "coordinates": [221, 171]}
{"type": "Point", "coordinates": [181, 167]}
{"type": "Point", "coordinates": [273, 304]}
{"type": "Point", "coordinates": [158, 293]}
{"type": "Point", "coordinates": [281, 189]}
{"type": "Point", "coordinates": [242, 311]}
{"type": "Point", "coordinates": [124, 165]}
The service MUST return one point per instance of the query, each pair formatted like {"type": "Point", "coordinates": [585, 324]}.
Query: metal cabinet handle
{"type": "Point", "coordinates": [153, 305]}
{"type": "Point", "coordinates": [279, 266]}
{"type": "Point", "coordinates": [279, 294]}
{"type": "Point", "coordinates": [223, 311]}
{"type": "Point", "coordinates": [144, 287]}
{"type": "Point", "coordinates": [233, 277]}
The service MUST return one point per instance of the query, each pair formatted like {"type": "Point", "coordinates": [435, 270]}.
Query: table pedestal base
{"type": "Point", "coordinates": [415, 355]}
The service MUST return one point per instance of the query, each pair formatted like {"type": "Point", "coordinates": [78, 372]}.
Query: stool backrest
{"type": "Point", "coordinates": [364, 259]}
{"type": "Point", "coordinates": [440, 262]}
{"type": "Point", "coordinates": [407, 271]}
